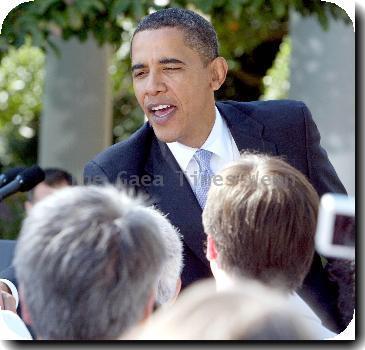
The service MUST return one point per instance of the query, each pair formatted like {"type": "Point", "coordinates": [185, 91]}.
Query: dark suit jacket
{"type": "Point", "coordinates": [277, 127]}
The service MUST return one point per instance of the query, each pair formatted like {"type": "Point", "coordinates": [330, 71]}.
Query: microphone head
{"type": "Point", "coordinates": [31, 177]}
{"type": "Point", "coordinates": [10, 175]}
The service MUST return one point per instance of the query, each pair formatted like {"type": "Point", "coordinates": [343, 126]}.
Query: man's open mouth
{"type": "Point", "coordinates": [162, 112]}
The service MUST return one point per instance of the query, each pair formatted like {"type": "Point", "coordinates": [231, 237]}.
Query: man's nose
{"type": "Point", "coordinates": [155, 84]}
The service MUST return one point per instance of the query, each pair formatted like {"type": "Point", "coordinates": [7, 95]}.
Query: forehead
{"type": "Point", "coordinates": [157, 43]}
{"type": "Point", "coordinates": [42, 190]}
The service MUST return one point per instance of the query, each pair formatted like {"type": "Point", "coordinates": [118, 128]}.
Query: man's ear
{"type": "Point", "coordinates": [149, 307]}
{"type": "Point", "coordinates": [25, 311]}
{"type": "Point", "coordinates": [219, 69]}
{"type": "Point", "coordinates": [178, 288]}
{"type": "Point", "coordinates": [212, 253]}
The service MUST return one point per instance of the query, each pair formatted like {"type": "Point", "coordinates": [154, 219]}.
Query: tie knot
{"type": "Point", "coordinates": [203, 157]}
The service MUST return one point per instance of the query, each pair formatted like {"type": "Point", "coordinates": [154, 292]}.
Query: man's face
{"type": "Point", "coordinates": [173, 86]}
{"type": "Point", "coordinates": [41, 191]}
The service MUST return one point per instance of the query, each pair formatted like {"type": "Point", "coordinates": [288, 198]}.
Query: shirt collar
{"type": "Point", "coordinates": [215, 143]}
{"type": "Point", "coordinates": [218, 138]}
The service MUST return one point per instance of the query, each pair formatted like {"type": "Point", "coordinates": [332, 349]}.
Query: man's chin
{"type": "Point", "coordinates": [165, 137]}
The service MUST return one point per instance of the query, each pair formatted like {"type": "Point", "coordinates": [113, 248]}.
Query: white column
{"type": "Point", "coordinates": [323, 76]}
{"type": "Point", "coordinates": [76, 122]}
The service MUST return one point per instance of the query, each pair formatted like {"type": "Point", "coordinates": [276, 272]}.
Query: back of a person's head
{"type": "Point", "coordinates": [262, 218]}
{"type": "Point", "coordinates": [54, 176]}
{"type": "Point", "coordinates": [169, 282]}
{"type": "Point", "coordinates": [88, 260]}
{"type": "Point", "coordinates": [246, 311]}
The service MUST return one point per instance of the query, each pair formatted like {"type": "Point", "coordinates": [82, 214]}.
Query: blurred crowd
{"type": "Point", "coordinates": [100, 263]}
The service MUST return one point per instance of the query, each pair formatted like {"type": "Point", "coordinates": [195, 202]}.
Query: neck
{"type": "Point", "coordinates": [223, 280]}
{"type": "Point", "coordinates": [202, 131]}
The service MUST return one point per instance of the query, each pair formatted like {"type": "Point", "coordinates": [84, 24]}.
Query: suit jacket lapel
{"type": "Point", "coordinates": [246, 131]}
{"type": "Point", "coordinates": [173, 195]}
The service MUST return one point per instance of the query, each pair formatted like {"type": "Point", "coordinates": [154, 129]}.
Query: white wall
{"type": "Point", "coordinates": [76, 122]}
{"type": "Point", "coordinates": [323, 76]}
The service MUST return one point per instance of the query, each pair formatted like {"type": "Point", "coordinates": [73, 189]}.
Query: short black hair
{"type": "Point", "coordinates": [199, 34]}
{"type": "Point", "coordinates": [54, 177]}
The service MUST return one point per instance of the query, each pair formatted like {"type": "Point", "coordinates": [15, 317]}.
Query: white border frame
{"type": "Point", "coordinates": [330, 206]}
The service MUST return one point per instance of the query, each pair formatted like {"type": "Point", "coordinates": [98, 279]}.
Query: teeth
{"type": "Point", "coordinates": [160, 107]}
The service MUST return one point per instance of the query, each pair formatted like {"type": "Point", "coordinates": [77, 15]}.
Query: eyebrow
{"type": "Point", "coordinates": [171, 60]}
{"type": "Point", "coordinates": [138, 66]}
{"type": "Point", "coordinates": [165, 60]}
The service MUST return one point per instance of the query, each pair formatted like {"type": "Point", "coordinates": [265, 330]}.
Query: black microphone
{"type": "Point", "coordinates": [23, 182]}
{"type": "Point", "coordinates": [10, 175]}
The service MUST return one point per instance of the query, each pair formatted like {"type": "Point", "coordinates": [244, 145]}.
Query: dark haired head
{"type": "Point", "coordinates": [199, 34]}
{"type": "Point", "coordinates": [53, 178]}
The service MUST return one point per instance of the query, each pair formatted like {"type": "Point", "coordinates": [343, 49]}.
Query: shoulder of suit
{"type": "Point", "coordinates": [271, 107]}
{"type": "Point", "coordinates": [129, 150]}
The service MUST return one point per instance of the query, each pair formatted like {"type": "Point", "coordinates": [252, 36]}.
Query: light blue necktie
{"type": "Point", "coordinates": [202, 185]}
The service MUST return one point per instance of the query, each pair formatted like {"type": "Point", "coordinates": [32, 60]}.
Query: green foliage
{"type": "Point", "coordinates": [276, 81]}
{"type": "Point", "coordinates": [21, 88]}
{"type": "Point", "coordinates": [11, 216]}
{"type": "Point", "coordinates": [127, 115]}
{"type": "Point", "coordinates": [241, 24]}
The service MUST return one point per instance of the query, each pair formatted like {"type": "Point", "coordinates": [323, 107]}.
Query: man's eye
{"type": "Point", "coordinates": [172, 68]}
{"type": "Point", "coordinates": [139, 74]}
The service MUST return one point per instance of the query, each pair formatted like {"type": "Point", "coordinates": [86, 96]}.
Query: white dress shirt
{"type": "Point", "coordinates": [319, 331]}
{"type": "Point", "coordinates": [220, 142]}
{"type": "Point", "coordinates": [12, 327]}
{"type": "Point", "coordinates": [305, 314]}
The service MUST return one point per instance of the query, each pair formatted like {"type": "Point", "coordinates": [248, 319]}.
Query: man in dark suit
{"type": "Point", "coordinates": [176, 69]}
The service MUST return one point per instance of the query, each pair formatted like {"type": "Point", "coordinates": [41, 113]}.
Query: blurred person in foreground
{"type": "Point", "coordinates": [88, 260]}
{"type": "Point", "coordinates": [248, 311]}
{"type": "Point", "coordinates": [169, 284]}
{"type": "Point", "coordinates": [55, 179]}
{"type": "Point", "coordinates": [176, 70]}
{"type": "Point", "coordinates": [260, 220]}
